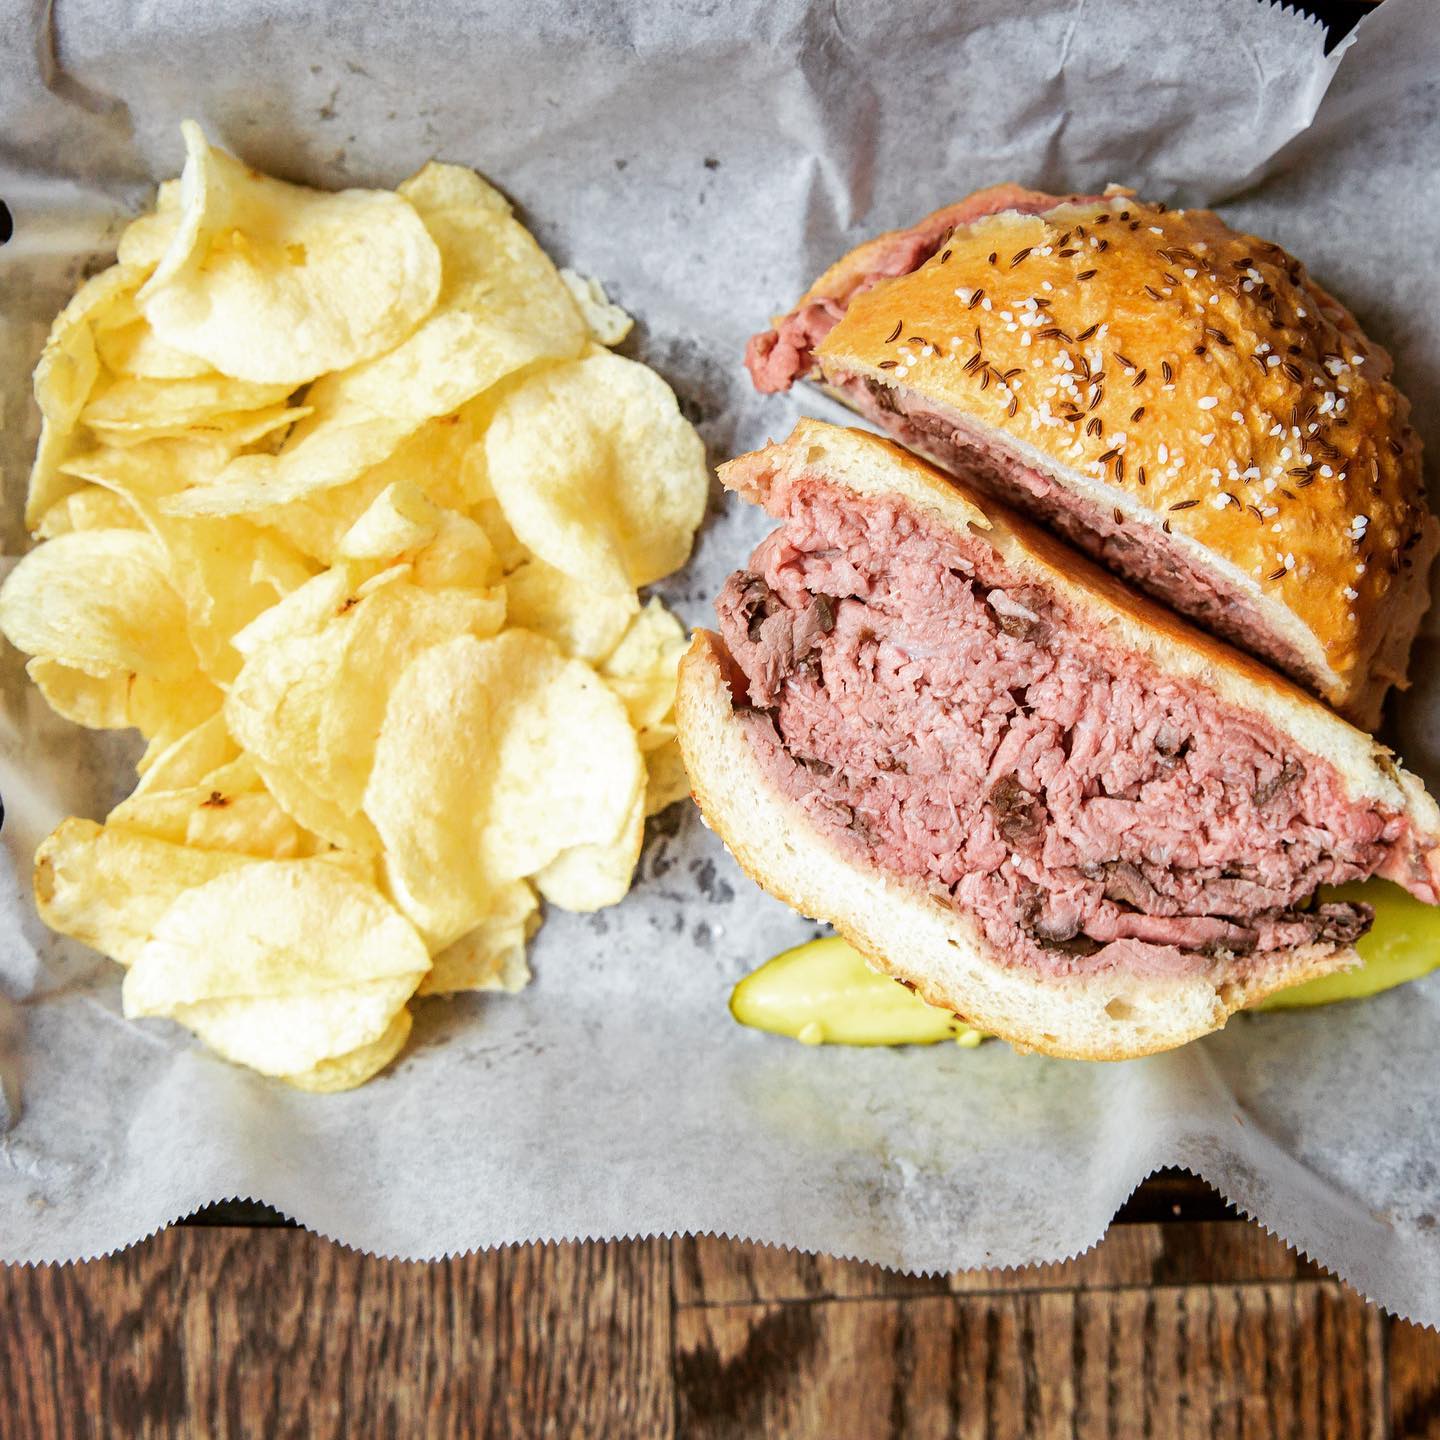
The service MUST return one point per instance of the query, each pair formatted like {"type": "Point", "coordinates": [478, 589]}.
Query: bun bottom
{"type": "Point", "coordinates": [905, 932]}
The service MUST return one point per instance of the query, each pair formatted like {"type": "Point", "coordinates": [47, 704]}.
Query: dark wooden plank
{"type": "Point", "coordinates": [217, 1332]}
{"type": "Point", "coordinates": [1260, 1360]}
{"type": "Point", "coordinates": [1414, 1382]}
{"type": "Point", "coordinates": [1209, 1252]}
{"type": "Point", "coordinates": [712, 1271]}
{"type": "Point", "coordinates": [709, 1271]}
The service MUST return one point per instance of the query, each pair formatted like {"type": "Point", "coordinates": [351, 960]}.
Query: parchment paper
{"type": "Point", "coordinates": [706, 161]}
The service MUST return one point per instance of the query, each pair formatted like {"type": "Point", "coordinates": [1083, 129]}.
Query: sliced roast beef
{"type": "Point", "coordinates": [960, 728]}
{"type": "Point", "coordinates": [1132, 550]}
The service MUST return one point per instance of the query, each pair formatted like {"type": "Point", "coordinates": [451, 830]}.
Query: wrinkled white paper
{"type": "Point", "coordinates": [705, 162]}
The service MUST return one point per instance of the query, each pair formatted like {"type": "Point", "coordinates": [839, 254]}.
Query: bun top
{"type": "Point", "coordinates": [1199, 370]}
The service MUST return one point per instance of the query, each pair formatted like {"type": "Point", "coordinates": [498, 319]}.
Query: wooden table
{"type": "Point", "coordinates": [1178, 1324]}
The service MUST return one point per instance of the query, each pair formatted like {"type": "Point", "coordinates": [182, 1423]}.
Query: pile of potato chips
{"type": "Point", "coordinates": [343, 506]}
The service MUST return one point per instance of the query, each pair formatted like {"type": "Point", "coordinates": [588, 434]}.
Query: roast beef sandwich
{"type": "Point", "coordinates": [1045, 802]}
{"type": "Point", "coordinates": [1180, 400]}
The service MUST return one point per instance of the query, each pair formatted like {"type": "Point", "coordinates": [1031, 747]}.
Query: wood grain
{"type": "Point", "coordinates": [1261, 1359]}
{"type": "Point", "coordinates": [714, 1271]}
{"type": "Point", "coordinates": [1165, 1330]}
{"type": "Point", "coordinates": [278, 1333]}
{"type": "Point", "coordinates": [1414, 1374]}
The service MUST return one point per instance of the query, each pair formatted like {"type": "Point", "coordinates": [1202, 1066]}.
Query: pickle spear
{"type": "Point", "coordinates": [823, 992]}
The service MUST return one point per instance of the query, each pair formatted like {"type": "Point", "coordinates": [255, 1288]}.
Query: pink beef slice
{"type": "Point", "coordinates": [1135, 551]}
{"type": "Point", "coordinates": [937, 719]}
{"type": "Point", "coordinates": [777, 357]}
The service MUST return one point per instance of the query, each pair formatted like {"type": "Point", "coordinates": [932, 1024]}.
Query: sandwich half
{"type": "Point", "coordinates": [1180, 400]}
{"type": "Point", "coordinates": [1046, 803]}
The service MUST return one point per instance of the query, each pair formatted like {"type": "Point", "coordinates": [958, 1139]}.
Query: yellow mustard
{"type": "Point", "coordinates": [823, 992]}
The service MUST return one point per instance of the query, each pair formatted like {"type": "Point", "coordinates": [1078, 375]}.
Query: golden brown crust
{"type": "Point", "coordinates": [849, 272]}
{"type": "Point", "coordinates": [1312, 499]}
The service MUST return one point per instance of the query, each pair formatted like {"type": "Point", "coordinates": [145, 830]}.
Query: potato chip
{"type": "Point", "coordinates": [145, 239]}
{"type": "Point", "coordinates": [502, 306]}
{"type": "Point", "coordinates": [231, 431]}
{"type": "Point", "coordinates": [317, 814]}
{"type": "Point", "coordinates": [276, 283]}
{"type": "Point", "coordinates": [459, 554]}
{"type": "Point", "coordinates": [109, 888]}
{"type": "Point", "coordinates": [138, 405]}
{"type": "Point", "coordinates": [312, 702]}
{"type": "Point", "coordinates": [120, 700]}
{"type": "Point", "coordinates": [189, 758]}
{"type": "Point", "coordinates": [400, 518]}
{"type": "Point", "coordinates": [485, 510]}
{"type": "Point", "coordinates": [99, 702]}
{"type": "Point", "coordinates": [173, 707]}
{"type": "Point", "coordinates": [100, 601]}
{"type": "Point", "coordinates": [607, 322]}
{"type": "Point", "coordinates": [304, 610]}
{"type": "Point", "coordinates": [434, 548]}
{"type": "Point", "coordinates": [492, 955]}
{"type": "Point", "coordinates": [168, 723]}
{"type": "Point", "coordinates": [229, 809]}
{"type": "Point", "coordinates": [548, 761]}
{"type": "Point", "coordinates": [64, 378]}
{"type": "Point", "coordinates": [666, 778]}
{"type": "Point", "coordinates": [279, 965]}
{"type": "Point", "coordinates": [142, 475]}
{"type": "Point", "coordinates": [443, 549]}
{"type": "Point", "coordinates": [347, 770]}
{"type": "Point", "coordinates": [597, 471]}
{"type": "Point", "coordinates": [345, 1072]}
{"type": "Point", "coordinates": [274, 566]}
{"type": "Point", "coordinates": [589, 877]}
{"type": "Point", "coordinates": [494, 268]}
{"type": "Point", "coordinates": [430, 460]}
{"type": "Point", "coordinates": [226, 572]}
{"type": "Point", "coordinates": [584, 622]}
{"type": "Point", "coordinates": [160, 814]}
{"type": "Point", "coordinates": [249, 824]}
{"type": "Point", "coordinates": [93, 508]}
{"type": "Point", "coordinates": [134, 349]}
{"type": "Point", "coordinates": [361, 416]}
{"type": "Point", "coordinates": [643, 668]}
{"type": "Point", "coordinates": [272, 1033]}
